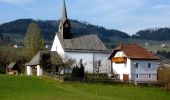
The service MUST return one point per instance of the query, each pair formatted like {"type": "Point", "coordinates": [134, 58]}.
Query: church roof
{"type": "Point", "coordinates": [86, 43]}
{"type": "Point", "coordinates": [134, 51]}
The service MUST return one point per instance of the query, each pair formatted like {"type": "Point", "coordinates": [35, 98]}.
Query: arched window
{"type": "Point", "coordinates": [99, 63]}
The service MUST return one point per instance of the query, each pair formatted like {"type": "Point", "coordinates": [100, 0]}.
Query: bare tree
{"type": "Point", "coordinates": [67, 62]}
{"type": "Point", "coordinates": [62, 62]}
{"type": "Point", "coordinates": [9, 55]}
{"type": "Point", "coordinates": [97, 67]}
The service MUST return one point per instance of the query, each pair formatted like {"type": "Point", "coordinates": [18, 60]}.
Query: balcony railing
{"type": "Point", "coordinates": [119, 59]}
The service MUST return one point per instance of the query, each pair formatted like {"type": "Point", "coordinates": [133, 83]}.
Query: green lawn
{"type": "Point", "coordinates": [43, 88]}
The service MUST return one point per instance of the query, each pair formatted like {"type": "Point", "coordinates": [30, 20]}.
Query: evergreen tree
{"type": "Point", "coordinates": [33, 41]}
{"type": "Point", "coordinates": [81, 72]}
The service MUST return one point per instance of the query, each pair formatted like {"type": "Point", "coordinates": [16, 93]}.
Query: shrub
{"type": "Point", "coordinates": [78, 71]}
{"type": "Point", "coordinates": [164, 77]}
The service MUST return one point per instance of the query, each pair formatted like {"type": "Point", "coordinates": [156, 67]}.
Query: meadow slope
{"type": "Point", "coordinates": [43, 88]}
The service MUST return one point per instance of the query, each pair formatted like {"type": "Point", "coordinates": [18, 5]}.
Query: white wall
{"type": "Point", "coordinates": [105, 63]}
{"type": "Point", "coordinates": [29, 70]}
{"type": "Point", "coordinates": [143, 71]}
{"type": "Point", "coordinates": [122, 68]}
{"type": "Point", "coordinates": [89, 60]}
{"type": "Point", "coordinates": [86, 57]}
{"type": "Point", "coordinates": [57, 46]}
{"type": "Point", "coordinates": [39, 70]}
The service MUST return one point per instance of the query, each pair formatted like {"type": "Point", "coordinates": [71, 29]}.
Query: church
{"type": "Point", "coordinates": [88, 50]}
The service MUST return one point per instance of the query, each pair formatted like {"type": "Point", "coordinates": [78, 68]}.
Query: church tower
{"type": "Point", "coordinates": [64, 27]}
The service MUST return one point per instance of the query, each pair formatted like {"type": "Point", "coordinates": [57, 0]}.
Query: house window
{"type": "Point", "coordinates": [149, 65]}
{"type": "Point", "coordinates": [150, 76]}
{"type": "Point", "coordinates": [99, 63]}
{"type": "Point", "coordinates": [136, 65]}
{"type": "Point", "coordinates": [137, 76]}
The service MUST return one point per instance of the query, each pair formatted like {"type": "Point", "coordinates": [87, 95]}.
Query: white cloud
{"type": "Point", "coordinates": [16, 1]}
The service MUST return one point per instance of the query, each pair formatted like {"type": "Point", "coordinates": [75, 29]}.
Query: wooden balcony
{"type": "Point", "coordinates": [119, 59]}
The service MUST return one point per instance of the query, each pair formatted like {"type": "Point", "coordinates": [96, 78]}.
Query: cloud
{"type": "Point", "coordinates": [16, 1]}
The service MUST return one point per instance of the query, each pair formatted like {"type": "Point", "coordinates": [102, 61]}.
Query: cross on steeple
{"type": "Point", "coordinates": [64, 26]}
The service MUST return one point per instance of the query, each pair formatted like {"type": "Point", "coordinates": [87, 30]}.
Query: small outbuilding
{"type": "Point", "coordinates": [33, 67]}
{"type": "Point", "coordinates": [14, 68]}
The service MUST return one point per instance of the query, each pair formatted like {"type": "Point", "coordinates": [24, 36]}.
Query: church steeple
{"type": "Point", "coordinates": [64, 12]}
{"type": "Point", "coordinates": [64, 26]}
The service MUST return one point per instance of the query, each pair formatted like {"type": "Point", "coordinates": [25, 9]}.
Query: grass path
{"type": "Point", "coordinates": [44, 88]}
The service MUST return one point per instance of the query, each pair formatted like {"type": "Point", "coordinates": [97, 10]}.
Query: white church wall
{"type": "Point", "coordinates": [57, 46]}
{"type": "Point", "coordinates": [105, 63]}
{"type": "Point", "coordinates": [87, 59]}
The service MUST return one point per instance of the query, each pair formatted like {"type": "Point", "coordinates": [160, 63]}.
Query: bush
{"type": "Point", "coordinates": [78, 71]}
{"type": "Point", "coordinates": [164, 77]}
{"type": "Point", "coordinates": [94, 77]}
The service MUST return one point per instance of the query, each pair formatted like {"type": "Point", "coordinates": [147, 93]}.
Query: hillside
{"type": "Point", "coordinates": [5, 40]}
{"type": "Point", "coordinates": [159, 34]}
{"type": "Point", "coordinates": [17, 29]}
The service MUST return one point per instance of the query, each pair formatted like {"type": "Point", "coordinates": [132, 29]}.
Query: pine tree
{"type": "Point", "coordinates": [33, 41]}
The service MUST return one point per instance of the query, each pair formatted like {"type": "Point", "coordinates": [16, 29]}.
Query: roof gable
{"type": "Point", "coordinates": [35, 61]}
{"type": "Point", "coordinates": [11, 65]}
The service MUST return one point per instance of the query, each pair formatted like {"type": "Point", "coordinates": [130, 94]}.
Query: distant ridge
{"type": "Point", "coordinates": [49, 27]}
{"type": "Point", "coordinates": [16, 30]}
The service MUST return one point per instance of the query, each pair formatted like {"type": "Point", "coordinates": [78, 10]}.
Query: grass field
{"type": "Point", "coordinates": [43, 88]}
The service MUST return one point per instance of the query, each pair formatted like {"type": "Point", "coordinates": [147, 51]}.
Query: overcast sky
{"type": "Point", "coordinates": [129, 16]}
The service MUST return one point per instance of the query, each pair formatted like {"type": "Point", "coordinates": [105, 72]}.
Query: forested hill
{"type": "Point", "coordinates": [153, 34]}
{"type": "Point", "coordinates": [17, 29]}
{"type": "Point", "coordinates": [49, 27]}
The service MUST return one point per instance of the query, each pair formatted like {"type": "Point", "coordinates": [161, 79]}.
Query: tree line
{"type": "Point", "coordinates": [33, 43]}
{"type": "Point", "coordinates": [153, 34]}
{"type": "Point", "coordinates": [49, 29]}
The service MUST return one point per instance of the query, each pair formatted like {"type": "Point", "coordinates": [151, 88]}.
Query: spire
{"type": "Point", "coordinates": [64, 12]}
{"type": "Point", "coordinates": [64, 26]}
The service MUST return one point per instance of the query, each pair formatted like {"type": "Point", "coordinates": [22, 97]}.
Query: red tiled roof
{"type": "Point", "coordinates": [134, 51]}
